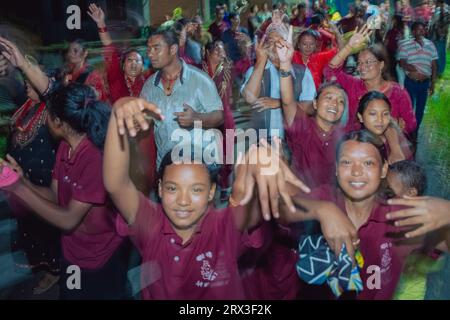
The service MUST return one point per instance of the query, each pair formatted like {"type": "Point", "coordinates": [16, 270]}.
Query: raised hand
{"type": "Point", "coordinates": [97, 14]}
{"type": "Point", "coordinates": [260, 50]}
{"type": "Point", "coordinates": [131, 115]}
{"type": "Point", "coordinates": [265, 167]}
{"type": "Point", "coordinates": [12, 53]}
{"type": "Point", "coordinates": [285, 49]}
{"type": "Point", "coordinates": [360, 37]}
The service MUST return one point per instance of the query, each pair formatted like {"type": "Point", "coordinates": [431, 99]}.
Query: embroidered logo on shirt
{"type": "Point", "coordinates": [207, 272]}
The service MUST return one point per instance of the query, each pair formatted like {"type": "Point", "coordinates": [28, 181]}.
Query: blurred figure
{"type": "Point", "coordinates": [219, 68]}
{"type": "Point", "coordinates": [391, 41]}
{"type": "Point", "coordinates": [219, 26]}
{"type": "Point", "coordinates": [265, 13]}
{"type": "Point", "coordinates": [78, 70]}
{"type": "Point", "coordinates": [439, 32]}
{"type": "Point", "coordinates": [418, 57]}
{"type": "Point", "coordinates": [300, 19]}
{"type": "Point", "coordinates": [237, 45]}
{"type": "Point", "coordinates": [253, 21]}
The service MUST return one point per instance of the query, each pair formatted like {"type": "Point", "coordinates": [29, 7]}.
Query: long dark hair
{"type": "Point", "coordinates": [78, 106]}
{"type": "Point", "coordinates": [370, 96]}
{"type": "Point", "coordinates": [363, 136]}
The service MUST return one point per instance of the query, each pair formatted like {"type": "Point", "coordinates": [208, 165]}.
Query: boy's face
{"type": "Point", "coordinates": [395, 183]}
{"type": "Point", "coordinates": [185, 191]}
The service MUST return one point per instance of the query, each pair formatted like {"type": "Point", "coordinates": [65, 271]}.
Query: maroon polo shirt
{"type": "Point", "coordinates": [380, 245]}
{"type": "Point", "coordinates": [313, 150]}
{"type": "Point", "coordinates": [204, 268]}
{"type": "Point", "coordinates": [80, 178]}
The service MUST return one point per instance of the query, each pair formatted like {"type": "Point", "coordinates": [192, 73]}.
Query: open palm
{"type": "Point", "coordinates": [97, 14]}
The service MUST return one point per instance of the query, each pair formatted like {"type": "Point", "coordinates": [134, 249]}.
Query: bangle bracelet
{"type": "Point", "coordinates": [102, 30]}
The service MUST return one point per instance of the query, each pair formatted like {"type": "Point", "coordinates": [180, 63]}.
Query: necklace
{"type": "Point", "coordinates": [132, 91]}
{"type": "Point", "coordinates": [27, 131]}
{"type": "Point", "coordinates": [168, 83]}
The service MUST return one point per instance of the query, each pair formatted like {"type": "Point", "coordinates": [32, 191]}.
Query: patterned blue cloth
{"type": "Point", "coordinates": [318, 264]}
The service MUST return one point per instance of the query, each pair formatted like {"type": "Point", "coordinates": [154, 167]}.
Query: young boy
{"type": "Point", "coordinates": [407, 178]}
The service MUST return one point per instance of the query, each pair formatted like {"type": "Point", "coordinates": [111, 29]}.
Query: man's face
{"type": "Point", "coordinates": [271, 46]}
{"type": "Point", "coordinates": [419, 32]}
{"type": "Point", "coordinates": [159, 53]}
{"type": "Point", "coordinates": [220, 14]}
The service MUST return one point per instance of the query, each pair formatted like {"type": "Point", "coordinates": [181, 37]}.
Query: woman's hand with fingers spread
{"type": "Point", "coordinates": [360, 37]}
{"type": "Point", "coordinates": [97, 14]}
{"type": "Point", "coordinates": [12, 53]}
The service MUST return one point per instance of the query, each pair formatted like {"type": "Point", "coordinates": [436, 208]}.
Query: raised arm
{"type": "Point", "coordinates": [127, 118]}
{"type": "Point", "coordinates": [358, 38]}
{"type": "Point", "coordinates": [36, 76]}
{"type": "Point", "coordinates": [252, 89]}
{"type": "Point", "coordinates": [97, 14]}
{"type": "Point", "coordinates": [285, 53]}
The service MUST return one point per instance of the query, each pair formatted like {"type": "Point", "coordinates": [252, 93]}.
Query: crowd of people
{"type": "Point", "coordinates": [336, 102]}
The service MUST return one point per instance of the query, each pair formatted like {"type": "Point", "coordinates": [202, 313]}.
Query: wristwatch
{"type": "Point", "coordinates": [284, 73]}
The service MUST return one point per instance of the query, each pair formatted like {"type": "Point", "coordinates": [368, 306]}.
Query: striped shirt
{"type": "Point", "coordinates": [418, 56]}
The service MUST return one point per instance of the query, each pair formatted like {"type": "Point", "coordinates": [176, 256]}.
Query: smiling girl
{"type": "Point", "coordinates": [360, 167]}
{"type": "Point", "coordinates": [312, 139]}
{"type": "Point", "coordinates": [374, 113]}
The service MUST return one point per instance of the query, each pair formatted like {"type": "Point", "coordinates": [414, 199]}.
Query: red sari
{"type": "Point", "coordinates": [144, 158]}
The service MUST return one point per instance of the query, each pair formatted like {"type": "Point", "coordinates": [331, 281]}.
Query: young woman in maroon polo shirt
{"type": "Point", "coordinates": [312, 139]}
{"type": "Point", "coordinates": [374, 113]}
{"type": "Point", "coordinates": [77, 201]}
{"type": "Point", "coordinates": [360, 167]}
{"type": "Point", "coordinates": [189, 249]}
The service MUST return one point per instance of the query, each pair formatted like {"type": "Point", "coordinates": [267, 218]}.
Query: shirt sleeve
{"type": "Point", "coordinates": [145, 226]}
{"type": "Point", "coordinates": [89, 187]}
{"type": "Point", "coordinates": [308, 87]}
